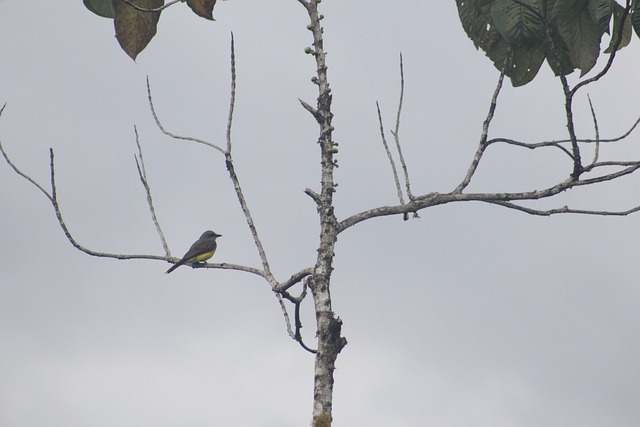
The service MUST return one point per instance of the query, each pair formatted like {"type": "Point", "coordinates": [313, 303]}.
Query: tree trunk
{"type": "Point", "coordinates": [330, 343]}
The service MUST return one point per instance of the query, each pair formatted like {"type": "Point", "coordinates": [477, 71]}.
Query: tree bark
{"type": "Point", "coordinates": [330, 343]}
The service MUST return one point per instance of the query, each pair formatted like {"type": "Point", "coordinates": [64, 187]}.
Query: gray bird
{"type": "Point", "coordinates": [201, 250]}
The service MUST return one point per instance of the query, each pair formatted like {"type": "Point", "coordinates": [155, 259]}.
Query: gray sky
{"type": "Point", "coordinates": [469, 316]}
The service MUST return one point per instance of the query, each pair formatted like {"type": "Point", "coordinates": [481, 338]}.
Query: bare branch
{"type": "Point", "coordinates": [390, 157]}
{"type": "Point", "coordinates": [433, 199]}
{"type": "Point", "coordinates": [310, 109]}
{"type": "Point", "coordinates": [247, 214]}
{"type": "Point", "coordinates": [315, 196]}
{"type": "Point", "coordinates": [304, 3]}
{"type": "Point", "coordinates": [396, 133]}
{"type": "Point", "coordinates": [285, 314]}
{"type": "Point", "coordinates": [616, 139]}
{"type": "Point", "coordinates": [232, 101]}
{"type": "Point", "coordinates": [564, 210]}
{"type": "Point", "coordinates": [630, 168]}
{"type": "Point", "coordinates": [532, 146]}
{"type": "Point", "coordinates": [22, 174]}
{"type": "Point", "coordinates": [53, 198]}
{"type": "Point", "coordinates": [142, 9]}
{"type": "Point", "coordinates": [142, 173]}
{"type": "Point", "coordinates": [482, 145]}
{"type": "Point", "coordinates": [236, 182]}
{"type": "Point", "coordinates": [297, 301]}
{"type": "Point", "coordinates": [221, 266]}
{"type": "Point", "coordinates": [557, 144]}
{"type": "Point", "coordinates": [596, 152]}
{"type": "Point", "coordinates": [568, 97]}
{"type": "Point", "coordinates": [609, 163]}
{"type": "Point", "coordinates": [296, 278]}
{"type": "Point", "coordinates": [166, 132]}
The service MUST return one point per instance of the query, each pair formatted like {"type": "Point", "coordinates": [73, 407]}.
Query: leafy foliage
{"type": "Point", "coordinates": [203, 8]}
{"type": "Point", "coordinates": [102, 8]}
{"type": "Point", "coordinates": [521, 34]}
{"type": "Point", "coordinates": [136, 26]}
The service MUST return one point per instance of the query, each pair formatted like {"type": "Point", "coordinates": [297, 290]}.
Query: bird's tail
{"type": "Point", "coordinates": [173, 267]}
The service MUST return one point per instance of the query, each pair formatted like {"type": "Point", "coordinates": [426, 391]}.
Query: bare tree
{"type": "Point", "coordinates": [315, 280]}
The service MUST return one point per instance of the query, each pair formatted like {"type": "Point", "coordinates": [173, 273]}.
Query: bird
{"type": "Point", "coordinates": [201, 250]}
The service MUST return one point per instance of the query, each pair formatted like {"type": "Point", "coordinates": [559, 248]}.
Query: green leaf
{"type": "Point", "coordinates": [102, 8]}
{"type": "Point", "coordinates": [203, 8]}
{"type": "Point", "coordinates": [519, 23]}
{"type": "Point", "coordinates": [135, 28]}
{"type": "Point", "coordinates": [580, 34]}
{"type": "Point", "coordinates": [559, 61]}
{"type": "Point", "coordinates": [600, 12]}
{"type": "Point", "coordinates": [525, 65]}
{"type": "Point", "coordinates": [475, 16]}
{"type": "Point", "coordinates": [635, 17]}
{"type": "Point", "coordinates": [618, 12]}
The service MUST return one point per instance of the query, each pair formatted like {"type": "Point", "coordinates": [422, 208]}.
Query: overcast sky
{"type": "Point", "coordinates": [471, 315]}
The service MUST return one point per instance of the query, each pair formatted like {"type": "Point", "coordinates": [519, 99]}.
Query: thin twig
{"type": "Point", "coordinates": [22, 174]}
{"type": "Point", "coordinates": [310, 109]}
{"type": "Point", "coordinates": [609, 163]}
{"type": "Point", "coordinates": [53, 198]}
{"type": "Point", "coordinates": [142, 173]}
{"type": "Point", "coordinates": [596, 151]}
{"type": "Point", "coordinates": [294, 279]}
{"type": "Point", "coordinates": [297, 301]}
{"type": "Point", "coordinates": [564, 141]}
{"type": "Point", "coordinates": [564, 210]}
{"type": "Point", "coordinates": [232, 101]}
{"type": "Point", "coordinates": [166, 132]}
{"type": "Point", "coordinates": [236, 182]}
{"type": "Point", "coordinates": [285, 314]}
{"type": "Point", "coordinates": [396, 132]}
{"type": "Point", "coordinates": [390, 157]}
{"type": "Point", "coordinates": [247, 214]}
{"type": "Point", "coordinates": [142, 9]}
{"type": "Point", "coordinates": [482, 145]}
{"type": "Point", "coordinates": [532, 146]}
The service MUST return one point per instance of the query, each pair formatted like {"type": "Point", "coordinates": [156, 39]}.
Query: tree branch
{"type": "Point", "coordinates": [142, 174]}
{"type": "Point", "coordinates": [294, 279]}
{"type": "Point", "coordinates": [596, 151]}
{"type": "Point", "coordinates": [142, 9]}
{"type": "Point", "coordinates": [234, 177]}
{"type": "Point", "coordinates": [310, 109]}
{"type": "Point", "coordinates": [232, 97]}
{"type": "Point", "coordinates": [564, 210]}
{"type": "Point", "coordinates": [53, 198]}
{"type": "Point", "coordinates": [482, 145]}
{"type": "Point", "coordinates": [564, 141]}
{"type": "Point", "coordinates": [433, 199]}
{"type": "Point", "coordinates": [568, 97]}
{"type": "Point", "coordinates": [396, 132]}
{"type": "Point", "coordinates": [166, 132]}
{"type": "Point", "coordinates": [394, 171]}
{"type": "Point", "coordinates": [297, 301]}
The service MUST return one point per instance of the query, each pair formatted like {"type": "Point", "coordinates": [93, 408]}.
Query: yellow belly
{"type": "Point", "coordinates": [202, 257]}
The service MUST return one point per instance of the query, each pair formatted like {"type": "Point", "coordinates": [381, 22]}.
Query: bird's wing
{"type": "Point", "coordinates": [198, 248]}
